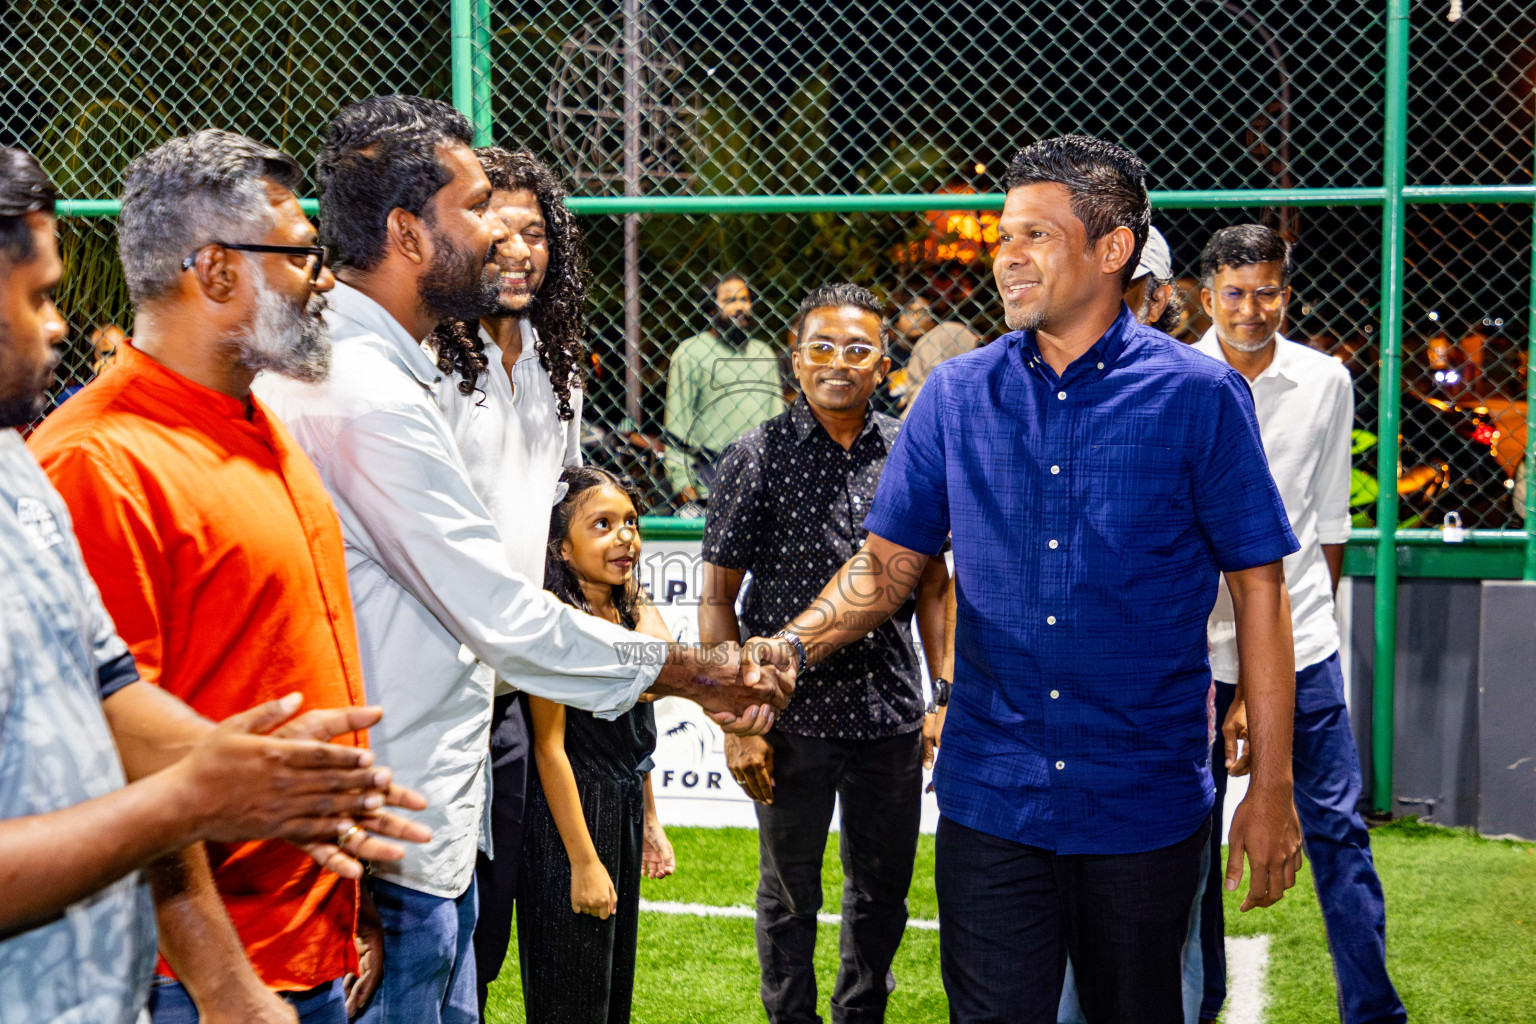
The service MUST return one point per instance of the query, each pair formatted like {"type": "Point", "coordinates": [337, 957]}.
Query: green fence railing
{"type": "Point", "coordinates": [696, 115]}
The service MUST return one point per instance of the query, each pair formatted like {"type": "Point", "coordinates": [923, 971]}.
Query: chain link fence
{"type": "Point", "coordinates": [898, 97]}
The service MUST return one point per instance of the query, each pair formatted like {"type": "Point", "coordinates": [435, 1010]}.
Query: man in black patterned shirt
{"type": "Point", "coordinates": [788, 506]}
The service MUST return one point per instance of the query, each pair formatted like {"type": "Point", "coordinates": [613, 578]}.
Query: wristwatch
{"type": "Point", "coordinates": [941, 688]}
{"type": "Point", "coordinates": [795, 642]}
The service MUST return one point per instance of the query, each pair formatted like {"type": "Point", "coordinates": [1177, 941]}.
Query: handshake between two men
{"type": "Point", "coordinates": [268, 774]}
{"type": "Point", "coordinates": [740, 687]}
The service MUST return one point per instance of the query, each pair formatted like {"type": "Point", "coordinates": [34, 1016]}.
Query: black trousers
{"type": "Point", "coordinates": [579, 969]}
{"type": "Point", "coordinates": [1009, 914]}
{"type": "Point", "coordinates": [496, 877]}
{"type": "Point", "coordinates": [880, 786]}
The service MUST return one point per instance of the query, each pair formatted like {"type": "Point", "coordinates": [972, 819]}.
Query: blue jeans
{"type": "Point", "coordinates": [1328, 784]}
{"type": "Point", "coordinates": [429, 963]}
{"type": "Point", "coordinates": [171, 1003]}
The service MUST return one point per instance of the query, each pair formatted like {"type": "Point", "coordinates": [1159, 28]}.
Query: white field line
{"type": "Point", "coordinates": [709, 910]}
{"type": "Point", "coordinates": [1247, 958]}
{"type": "Point", "coordinates": [1247, 963]}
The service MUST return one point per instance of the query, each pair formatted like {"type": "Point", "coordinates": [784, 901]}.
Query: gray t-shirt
{"type": "Point", "coordinates": [94, 961]}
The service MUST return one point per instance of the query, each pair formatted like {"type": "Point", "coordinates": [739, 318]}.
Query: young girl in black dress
{"type": "Point", "coordinates": [590, 828]}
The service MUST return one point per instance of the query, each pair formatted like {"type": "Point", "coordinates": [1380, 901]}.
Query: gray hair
{"type": "Point", "coordinates": [209, 186]}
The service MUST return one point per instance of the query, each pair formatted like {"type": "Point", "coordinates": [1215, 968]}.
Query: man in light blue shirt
{"type": "Point", "coordinates": [440, 612]}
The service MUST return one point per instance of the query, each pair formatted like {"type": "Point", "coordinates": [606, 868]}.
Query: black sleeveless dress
{"type": "Point", "coordinates": [579, 969]}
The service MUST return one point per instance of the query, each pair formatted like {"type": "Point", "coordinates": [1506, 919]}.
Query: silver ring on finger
{"type": "Point", "coordinates": [342, 842]}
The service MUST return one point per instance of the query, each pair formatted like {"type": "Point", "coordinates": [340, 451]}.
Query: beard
{"type": "Point", "coordinates": [734, 331]}
{"type": "Point", "coordinates": [460, 284]}
{"type": "Point", "coordinates": [286, 337]}
{"type": "Point", "coordinates": [1248, 347]}
{"type": "Point", "coordinates": [1025, 321]}
{"type": "Point", "coordinates": [27, 403]}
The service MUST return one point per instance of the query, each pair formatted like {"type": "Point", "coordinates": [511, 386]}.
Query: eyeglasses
{"type": "Point", "coordinates": [1232, 298]}
{"type": "Point", "coordinates": [858, 355]}
{"type": "Point", "coordinates": [318, 253]}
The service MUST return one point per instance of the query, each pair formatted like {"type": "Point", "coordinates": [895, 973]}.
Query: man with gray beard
{"type": "Point", "coordinates": [219, 555]}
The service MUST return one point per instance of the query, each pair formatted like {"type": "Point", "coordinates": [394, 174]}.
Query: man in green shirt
{"type": "Point", "coordinates": [723, 382]}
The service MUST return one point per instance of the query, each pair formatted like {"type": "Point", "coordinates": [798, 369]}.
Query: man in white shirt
{"type": "Point", "coordinates": [439, 609]}
{"type": "Point", "coordinates": [517, 430]}
{"type": "Point", "coordinates": [1305, 407]}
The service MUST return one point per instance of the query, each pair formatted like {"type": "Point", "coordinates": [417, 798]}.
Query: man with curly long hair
{"type": "Point", "coordinates": [512, 394]}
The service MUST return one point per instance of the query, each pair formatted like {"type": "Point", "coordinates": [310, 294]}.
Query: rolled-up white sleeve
{"type": "Point", "coordinates": [1333, 470]}
{"type": "Point", "coordinates": [402, 483]}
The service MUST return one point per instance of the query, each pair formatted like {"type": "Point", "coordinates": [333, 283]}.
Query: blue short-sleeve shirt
{"type": "Point", "coordinates": [1091, 514]}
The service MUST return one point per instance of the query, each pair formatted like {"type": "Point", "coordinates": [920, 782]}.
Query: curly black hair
{"type": "Point", "coordinates": [558, 309]}
{"type": "Point", "coordinates": [559, 578]}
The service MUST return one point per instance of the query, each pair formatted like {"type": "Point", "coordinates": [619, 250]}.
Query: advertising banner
{"type": "Point", "coordinates": [692, 784]}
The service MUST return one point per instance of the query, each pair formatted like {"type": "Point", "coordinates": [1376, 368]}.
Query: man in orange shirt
{"type": "Point", "coordinates": [215, 547]}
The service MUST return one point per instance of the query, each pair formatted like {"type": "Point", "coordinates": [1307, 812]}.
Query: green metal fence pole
{"type": "Point", "coordinates": [1393, 173]}
{"type": "Point", "coordinates": [921, 202]}
{"type": "Point", "coordinates": [1530, 399]}
{"type": "Point", "coordinates": [461, 17]}
{"type": "Point", "coordinates": [481, 70]}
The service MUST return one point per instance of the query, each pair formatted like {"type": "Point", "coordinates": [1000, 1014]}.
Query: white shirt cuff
{"type": "Point", "coordinates": [1333, 531]}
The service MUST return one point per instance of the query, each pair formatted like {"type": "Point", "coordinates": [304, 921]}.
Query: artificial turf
{"type": "Point", "coordinates": [1461, 920]}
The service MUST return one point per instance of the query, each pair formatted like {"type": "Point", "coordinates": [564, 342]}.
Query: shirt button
{"type": "Point", "coordinates": [1060, 765]}
{"type": "Point", "coordinates": [1061, 395]}
{"type": "Point", "coordinates": [1055, 470]}
{"type": "Point", "coordinates": [1055, 694]}
{"type": "Point", "coordinates": [1053, 545]}
{"type": "Point", "coordinates": [1101, 366]}
{"type": "Point", "coordinates": [1050, 620]}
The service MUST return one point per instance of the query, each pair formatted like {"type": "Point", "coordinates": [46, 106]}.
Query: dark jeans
{"type": "Point", "coordinates": [1010, 914]}
{"type": "Point", "coordinates": [496, 876]}
{"type": "Point", "coordinates": [171, 1003]}
{"type": "Point", "coordinates": [1326, 767]}
{"type": "Point", "coordinates": [880, 786]}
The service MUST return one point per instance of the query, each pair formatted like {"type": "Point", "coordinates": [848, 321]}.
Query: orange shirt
{"type": "Point", "coordinates": [219, 557]}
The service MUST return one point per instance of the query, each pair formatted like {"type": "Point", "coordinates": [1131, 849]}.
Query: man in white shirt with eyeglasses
{"type": "Point", "coordinates": [1305, 405]}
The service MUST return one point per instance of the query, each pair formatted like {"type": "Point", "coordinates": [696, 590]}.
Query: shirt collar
{"type": "Point", "coordinates": [530, 339]}
{"type": "Point", "coordinates": [807, 425]}
{"type": "Point", "coordinates": [1101, 355]}
{"type": "Point", "coordinates": [1282, 366]}
{"type": "Point", "coordinates": [155, 374]}
{"type": "Point", "coordinates": [365, 316]}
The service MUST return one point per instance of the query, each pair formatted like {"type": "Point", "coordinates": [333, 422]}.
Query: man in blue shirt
{"type": "Point", "coordinates": [1097, 477]}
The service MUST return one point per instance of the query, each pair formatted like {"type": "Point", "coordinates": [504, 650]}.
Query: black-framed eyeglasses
{"type": "Point", "coordinates": [317, 252]}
